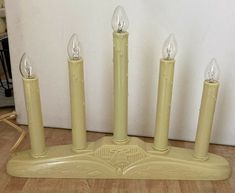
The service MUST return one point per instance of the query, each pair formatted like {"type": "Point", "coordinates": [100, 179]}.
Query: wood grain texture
{"type": "Point", "coordinates": [9, 184]}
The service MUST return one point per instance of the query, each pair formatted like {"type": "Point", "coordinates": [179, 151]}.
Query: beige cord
{"type": "Point", "coordinates": [11, 115]}
{"type": "Point", "coordinates": [22, 132]}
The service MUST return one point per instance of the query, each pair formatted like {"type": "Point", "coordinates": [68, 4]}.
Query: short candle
{"type": "Point", "coordinates": [33, 107]}
{"type": "Point", "coordinates": [77, 95]}
{"type": "Point", "coordinates": [165, 84]}
{"type": "Point", "coordinates": [207, 109]}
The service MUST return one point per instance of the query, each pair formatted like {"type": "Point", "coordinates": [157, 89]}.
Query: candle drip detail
{"type": "Point", "coordinates": [120, 63]}
{"type": "Point", "coordinates": [77, 94]}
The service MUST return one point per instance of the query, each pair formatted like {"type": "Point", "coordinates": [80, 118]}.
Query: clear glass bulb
{"type": "Point", "coordinates": [74, 50]}
{"type": "Point", "coordinates": [212, 71]}
{"type": "Point", "coordinates": [169, 48]}
{"type": "Point", "coordinates": [120, 21]}
{"type": "Point", "coordinates": [26, 69]}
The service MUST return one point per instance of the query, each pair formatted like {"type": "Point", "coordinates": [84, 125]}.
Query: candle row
{"type": "Point", "coordinates": [166, 75]}
{"type": "Point", "coordinates": [120, 60]}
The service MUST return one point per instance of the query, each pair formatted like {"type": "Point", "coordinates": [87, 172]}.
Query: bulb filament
{"type": "Point", "coordinates": [120, 26]}
{"type": "Point", "coordinates": [28, 71]}
{"type": "Point", "coordinates": [212, 75]}
{"type": "Point", "coordinates": [75, 52]}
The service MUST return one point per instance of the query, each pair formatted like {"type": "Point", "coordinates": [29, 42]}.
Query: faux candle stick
{"type": "Point", "coordinates": [33, 106]}
{"type": "Point", "coordinates": [164, 104]}
{"type": "Point", "coordinates": [120, 60]}
{"type": "Point", "coordinates": [165, 85]}
{"type": "Point", "coordinates": [77, 96]}
{"type": "Point", "coordinates": [207, 109]}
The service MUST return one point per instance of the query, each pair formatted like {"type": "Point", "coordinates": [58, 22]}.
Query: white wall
{"type": "Point", "coordinates": [203, 28]}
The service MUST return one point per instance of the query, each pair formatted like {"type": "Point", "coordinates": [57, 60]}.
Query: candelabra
{"type": "Point", "coordinates": [120, 155]}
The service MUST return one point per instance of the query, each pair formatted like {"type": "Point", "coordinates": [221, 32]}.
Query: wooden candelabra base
{"type": "Point", "coordinates": [105, 159]}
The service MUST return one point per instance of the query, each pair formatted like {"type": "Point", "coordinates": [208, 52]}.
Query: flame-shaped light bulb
{"type": "Point", "coordinates": [74, 49]}
{"type": "Point", "coordinates": [169, 49]}
{"type": "Point", "coordinates": [120, 21]}
{"type": "Point", "coordinates": [26, 69]}
{"type": "Point", "coordinates": [212, 71]}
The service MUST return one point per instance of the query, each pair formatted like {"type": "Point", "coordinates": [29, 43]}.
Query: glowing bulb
{"type": "Point", "coordinates": [120, 21]}
{"type": "Point", "coordinates": [169, 49]}
{"type": "Point", "coordinates": [73, 48]}
{"type": "Point", "coordinates": [212, 71]}
{"type": "Point", "coordinates": [26, 69]}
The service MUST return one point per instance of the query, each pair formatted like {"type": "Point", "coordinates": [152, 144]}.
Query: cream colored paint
{"type": "Point", "coordinates": [120, 60]}
{"type": "Point", "coordinates": [205, 121]}
{"type": "Point", "coordinates": [34, 113]}
{"type": "Point", "coordinates": [105, 160]}
{"type": "Point", "coordinates": [165, 86]}
{"type": "Point", "coordinates": [77, 103]}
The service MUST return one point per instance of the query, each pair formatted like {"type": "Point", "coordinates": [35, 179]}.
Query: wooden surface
{"type": "Point", "coordinates": [10, 184]}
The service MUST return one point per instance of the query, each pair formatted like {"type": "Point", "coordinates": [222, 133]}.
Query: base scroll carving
{"type": "Point", "coordinates": [105, 159]}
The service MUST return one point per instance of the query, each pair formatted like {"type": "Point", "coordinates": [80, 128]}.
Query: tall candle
{"type": "Point", "coordinates": [33, 106]}
{"type": "Point", "coordinates": [120, 60]}
{"type": "Point", "coordinates": [207, 109]}
{"type": "Point", "coordinates": [165, 85]}
{"type": "Point", "coordinates": [77, 96]}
